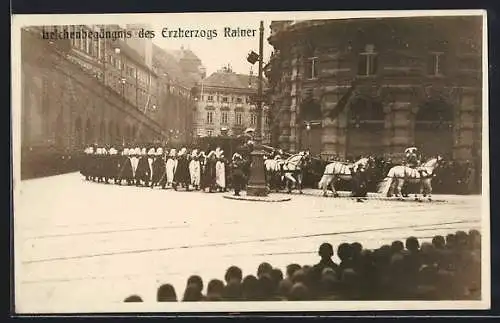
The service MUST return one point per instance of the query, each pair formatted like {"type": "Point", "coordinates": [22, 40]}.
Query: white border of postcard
{"type": "Point", "coordinates": [20, 21]}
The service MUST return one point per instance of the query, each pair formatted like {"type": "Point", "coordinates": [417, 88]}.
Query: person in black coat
{"type": "Point", "coordinates": [181, 175]}
{"type": "Point", "coordinates": [125, 168]}
{"type": "Point", "coordinates": [159, 170]}
{"type": "Point", "coordinates": [112, 167]}
{"type": "Point", "coordinates": [359, 182]}
{"type": "Point", "coordinates": [209, 172]}
{"type": "Point", "coordinates": [238, 175]}
{"type": "Point", "coordinates": [142, 172]}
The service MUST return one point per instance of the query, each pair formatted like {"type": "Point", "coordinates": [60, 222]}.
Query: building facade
{"type": "Point", "coordinates": [177, 99]}
{"type": "Point", "coordinates": [418, 82]}
{"type": "Point", "coordinates": [78, 91]}
{"type": "Point", "coordinates": [228, 105]}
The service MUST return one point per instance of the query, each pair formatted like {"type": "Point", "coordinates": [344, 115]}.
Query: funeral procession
{"type": "Point", "coordinates": [147, 161]}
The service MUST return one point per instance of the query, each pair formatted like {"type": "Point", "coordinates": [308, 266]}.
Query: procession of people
{"type": "Point", "coordinates": [194, 169]}
{"type": "Point", "coordinates": [153, 167]}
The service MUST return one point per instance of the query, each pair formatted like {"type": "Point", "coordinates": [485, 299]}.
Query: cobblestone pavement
{"type": "Point", "coordinates": [79, 242]}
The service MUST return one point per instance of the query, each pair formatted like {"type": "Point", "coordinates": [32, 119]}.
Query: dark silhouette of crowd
{"type": "Point", "coordinates": [447, 268]}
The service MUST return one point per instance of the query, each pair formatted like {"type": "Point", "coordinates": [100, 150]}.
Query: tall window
{"type": "Point", "coordinates": [224, 118]}
{"type": "Point", "coordinates": [95, 48]}
{"type": "Point", "coordinates": [225, 99]}
{"type": "Point", "coordinates": [131, 71]}
{"type": "Point", "coordinates": [209, 133]}
{"type": "Point", "coordinates": [210, 98]}
{"type": "Point", "coordinates": [435, 64]}
{"type": "Point", "coordinates": [210, 117]}
{"type": "Point", "coordinates": [239, 100]}
{"type": "Point", "coordinates": [267, 120]}
{"type": "Point", "coordinates": [367, 64]}
{"type": "Point", "coordinates": [239, 119]}
{"type": "Point", "coordinates": [311, 68]}
{"type": "Point", "coordinates": [253, 119]}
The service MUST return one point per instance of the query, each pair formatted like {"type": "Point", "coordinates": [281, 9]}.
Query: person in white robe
{"type": "Point", "coordinates": [170, 166]}
{"type": "Point", "coordinates": [134, 159]}
{"type": "Point", "coordinates": [195, 169]}
{"type": "Point", "coordinates": [151, 159]}
{"type": "Point", "coordinates": [220, 170]}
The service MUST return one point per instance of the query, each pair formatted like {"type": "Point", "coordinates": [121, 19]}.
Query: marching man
{"type": "Point", "coordinates": [159, 168]}
{"type": "Point", "coordinates": [134, 161]}
{"type": "Point", "coordinates": [181, 175]}
{"type": "Point", "coordinates": [195, 169]}
{"type": "Point", "coordinates": [412, 157]}
{"type": "Point", "coordinates": [126, 169]}
{"type": "Point", "coordinates": [151, 159]}
{"type": "Point", "coordinates": [220, 170]}
{"type": "Point", "coordinates": [170, 166]}
{"type": "Point", "coordinates": [238, 179]}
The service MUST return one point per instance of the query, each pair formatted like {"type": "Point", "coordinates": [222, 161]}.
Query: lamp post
{"type": "Point", "coordinates": [257, 182]}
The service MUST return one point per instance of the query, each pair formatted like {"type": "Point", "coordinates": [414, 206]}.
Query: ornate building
{"type": "Point", "coordinates": [419, 82]}
{"type": "Point", "coordinates": [227, 105]}
{"type": "Point", "coordinates": [177, 80]}
{"type": "Point", "coordinates": [78, 91]}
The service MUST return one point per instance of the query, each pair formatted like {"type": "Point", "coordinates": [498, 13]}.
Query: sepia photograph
{"type": "Point", "coordinates": [250, 162]}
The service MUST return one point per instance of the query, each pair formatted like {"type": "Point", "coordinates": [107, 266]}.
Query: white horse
{"type": "Point", "coordinates": [339, 170]}
{"type": "Point", "coordinates": [295, 165]}
{"type": "Point", "coordinates": [398, 175]}
{"type": "Point", "coordinates": [273, 172]}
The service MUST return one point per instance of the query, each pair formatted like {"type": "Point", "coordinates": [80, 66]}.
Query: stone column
{"type": "Point", "coordinates": [464, 127]}
{"type": "Point", "coordinates": [401, 127]}
{"type": "Point", "coordinates": [334, 131]}
{"type": "Point", "coordinates": [293, 126]}
{"type": "Point", "coordinates": [398, 120]}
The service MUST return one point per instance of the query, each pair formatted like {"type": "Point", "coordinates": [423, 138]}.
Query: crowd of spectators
{"type": "Point", "coordinates": [447, 268]}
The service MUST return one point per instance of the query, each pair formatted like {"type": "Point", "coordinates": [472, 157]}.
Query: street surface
{"type": "Point", "coordinates": [79, 243]}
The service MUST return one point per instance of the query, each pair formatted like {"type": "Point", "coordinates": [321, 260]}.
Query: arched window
{"type": "Point", "coordinates": [127, 134]}
{"type": "Point", "coordinates": [134, 132]}
{"type": "Point", "coordinates": [434, 128]}
{"type": "Point", "coordinates": [59, 130]}
{"type": "Point", "coordinates": [102, 133]}
{"type": "Point", "coordinates": [310, 109]}
{"type": "Point", "coordinates": [111, 130]}
{"type": "Point", "coordinates": [78, 133]}
{"type": "Point", "coordinates": [89, 132]}
{"type": "Point", "coordinates": [365, 127]}
{"type": "Point", "coordinates": [118, 134]}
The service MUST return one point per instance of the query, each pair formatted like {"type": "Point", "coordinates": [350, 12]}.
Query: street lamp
{"type": "Point", "coordinates": [309, 125]}
{"type": "Point", "coordinates": [257, 183]}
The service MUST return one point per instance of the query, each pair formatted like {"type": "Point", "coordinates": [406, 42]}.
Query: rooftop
{"type": "Point", "coordinates": [169, 63]}
{"type": "Point", "coordinates": [228, 79]}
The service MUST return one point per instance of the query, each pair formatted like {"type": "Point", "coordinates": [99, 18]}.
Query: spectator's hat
{"type": "Point", "coordinates": [151, 152]}
{"type": "Point", "coordinates": [194, 153]}
{"type": "Point", "coordinates": [219, 153]}
{"type": "Point", "coordinates": [182, 151]}
{"type": "Point", "coordinates": [410, 150]}
{"type": "Point", "coordinates": [159, 151]}
{"type": "Point", "coordinates": [236, 156]}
